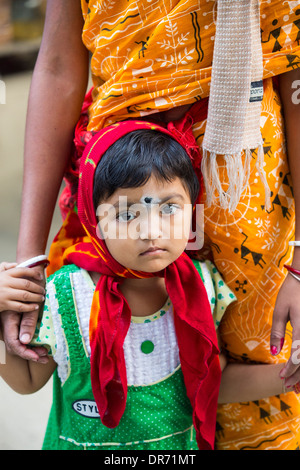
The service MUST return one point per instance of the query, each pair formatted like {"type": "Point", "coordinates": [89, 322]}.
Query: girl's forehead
{"type": "Point", "coordinates": [154, 190]}
{"type": "Point", "coordinates": [150, 199]}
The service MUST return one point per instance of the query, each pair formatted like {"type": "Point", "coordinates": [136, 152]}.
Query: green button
{"type": "Point", "coordinates": [147, 347]}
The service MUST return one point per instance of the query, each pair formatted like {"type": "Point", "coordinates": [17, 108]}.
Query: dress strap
{"type": "Point", "coordinates": [69, 317]}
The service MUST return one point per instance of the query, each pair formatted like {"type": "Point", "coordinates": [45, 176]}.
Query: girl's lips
{"type": "Point", "coordinates": [154, 250]}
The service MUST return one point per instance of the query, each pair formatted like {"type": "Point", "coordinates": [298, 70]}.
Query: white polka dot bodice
{"type": "Point", "coordinates": [150, 347]}
{"type": "Point", "coordinates": [151, 350]}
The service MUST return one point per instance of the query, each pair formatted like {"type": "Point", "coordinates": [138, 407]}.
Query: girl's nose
{"type": "Point", "coordinates": [150, 226]}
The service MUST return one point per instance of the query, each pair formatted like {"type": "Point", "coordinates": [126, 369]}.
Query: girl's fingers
{"type": "Point", "coordinates": [41, 351]}
{"type": "Point", "coordinates": [21, 307]}
{"type": "Point", "coordinates": [24, 296]}
{"type": "Point", "coordinates": [293, 375]}
{"type": "Point", "coordinates": [26, 286]}
{"type": "Point", "coordinates": [4, 266]}
{"type": "Point", "coordinates": [33, 273]}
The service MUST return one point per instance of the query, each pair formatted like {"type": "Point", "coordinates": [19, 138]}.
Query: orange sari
{"type": "Point", "coordinates": [150, 57]}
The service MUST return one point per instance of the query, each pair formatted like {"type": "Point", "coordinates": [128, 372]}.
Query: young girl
{"type": "Point", "coordinates": [152, 380]}
{"type": "Point", "coordinates": [127, 320]}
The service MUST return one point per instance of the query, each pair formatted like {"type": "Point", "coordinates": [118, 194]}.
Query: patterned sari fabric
{"type": "Point", "coordinates": [150, 57]}
{"type": "Point", "coordinates": [249, 248]}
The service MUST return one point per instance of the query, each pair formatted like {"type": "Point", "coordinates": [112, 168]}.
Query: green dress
{"type": "Point", "coordinates": [158, 414]}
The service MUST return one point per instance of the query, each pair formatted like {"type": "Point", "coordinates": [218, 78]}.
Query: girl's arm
{"type": "Point", "coordinates": [247, 382]}
{"type": "Point", "coordinates": [287, 306]}
{"type": "Point", "coordinates": [24, 376]}
{"type": "Point", "coordinates": [57, 91]}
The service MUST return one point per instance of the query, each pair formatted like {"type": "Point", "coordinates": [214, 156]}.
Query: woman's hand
{"type": "Point", "coordinates": [287, 308]}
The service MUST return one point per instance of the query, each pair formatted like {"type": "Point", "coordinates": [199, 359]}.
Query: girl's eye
{"type": "Point", "coordinates": [169, 209]}
{"type": "Point", "coordinates": [125, 216]}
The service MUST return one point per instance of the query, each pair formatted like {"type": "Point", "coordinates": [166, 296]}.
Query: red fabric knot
{"type": "Point", "coordinates": [187, 139]}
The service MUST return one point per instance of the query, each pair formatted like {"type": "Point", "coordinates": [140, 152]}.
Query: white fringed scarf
{"type": "Point", "coordinates": [233, 121]}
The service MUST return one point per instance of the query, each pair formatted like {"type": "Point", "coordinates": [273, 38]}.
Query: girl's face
{"type": "Point", "coordinates": [146, 228]}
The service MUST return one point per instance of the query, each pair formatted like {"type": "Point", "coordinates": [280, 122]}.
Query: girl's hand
{"type": "Point", "coordinates": [19, 288]}
{"type": "Point", "coordinates": [287, 308]}
{"type": "Point", "coordinates": [5, 265]}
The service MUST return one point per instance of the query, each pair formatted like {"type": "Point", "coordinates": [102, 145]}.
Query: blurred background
{"type": "Point", "coordinates": [22, 418]}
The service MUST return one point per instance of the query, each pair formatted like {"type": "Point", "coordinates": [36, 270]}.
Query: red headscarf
{"type": "Point", "coordinates": [111, 315]}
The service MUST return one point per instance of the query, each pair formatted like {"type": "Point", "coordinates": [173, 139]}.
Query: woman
{"type": "Point", "coordinates": [156, 59]}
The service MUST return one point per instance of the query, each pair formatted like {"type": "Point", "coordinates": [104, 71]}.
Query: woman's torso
{"type": "Point", "coordinates": [154, 56]}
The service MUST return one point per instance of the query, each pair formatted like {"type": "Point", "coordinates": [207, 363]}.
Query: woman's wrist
{"type": "Point", "coordinates": [295, 263]}
{"type": "Point", "coordinates": [34, 261]}
{"type": "Point", "coordinates": [26, 251]}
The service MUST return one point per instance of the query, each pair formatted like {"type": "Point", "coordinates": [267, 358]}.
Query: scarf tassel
{"type": "Point", "coordinates": [238, 174]}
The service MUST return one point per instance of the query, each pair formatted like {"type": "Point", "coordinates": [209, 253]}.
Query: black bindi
{"type": "Point", "coordinates": [148, 200]}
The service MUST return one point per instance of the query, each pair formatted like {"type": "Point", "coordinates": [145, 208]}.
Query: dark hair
{"type": "Point", "coordinates": [131, 160]}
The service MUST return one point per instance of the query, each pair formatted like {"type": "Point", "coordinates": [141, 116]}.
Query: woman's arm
{"type": "Point", "coordinates": [57, 91]}
{"type": "Point", "coordinates": [287, 306]}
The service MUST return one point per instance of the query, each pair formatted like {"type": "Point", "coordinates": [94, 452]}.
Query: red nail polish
{"type": "Point", "coordinates": [281, 343]}
{"type": "Point", "coordinates": [273, 350]}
